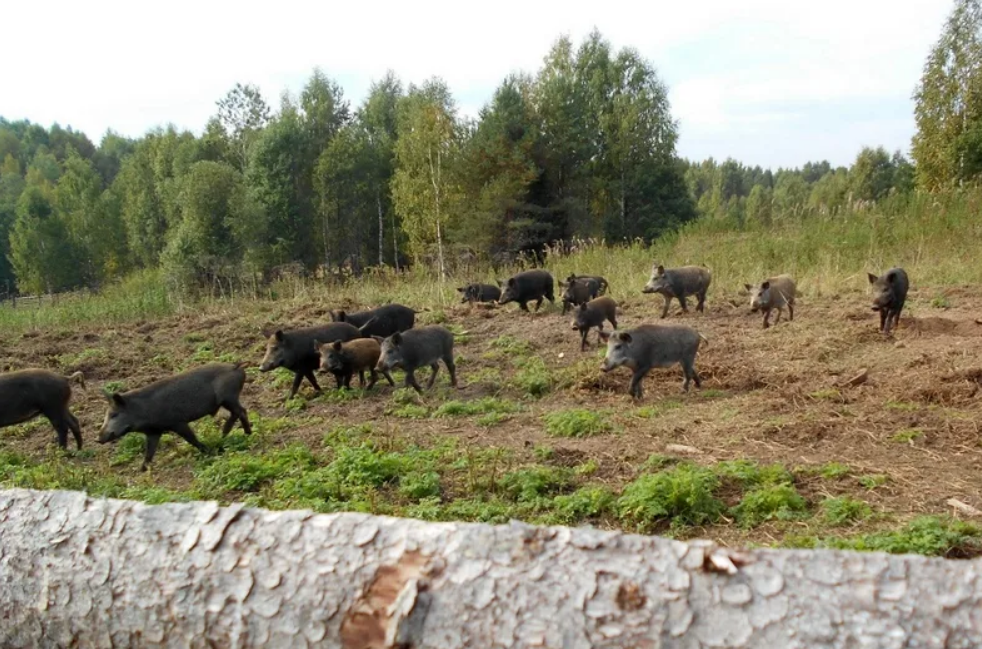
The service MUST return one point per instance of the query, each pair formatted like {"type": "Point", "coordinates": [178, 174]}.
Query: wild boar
{"type": "Point", "coordinates": [344, 359]}
{"type": "Point", "coordinates": [678, 283]}
{"type": "Point", "coordinates": [592, 314]}
{"type": "Point", "coordinates": [296, 350]}
{"type": "Point", "coordinates": [26, 394]}
{"type": "Point", "coordinates": [579, 291]}
{"type": "Point", "coordinates": [417, 348]}
{"type": "Point", "coordinates": [170, 404]}
{"type": "Point", "coordinates": [479, 293]}
{"type": "Point", "coordinates": [773, 293]}
{"type": "Point", "coordinates": [602, 283]}
{"type": "Point", "coordinates": [648, 346]}
{"type": "Point", "coordinates": [889, 295]}
{"type": "Point", "coordinates": [527, 286]}
{"type": "Point", "coordinates": [385, 320]}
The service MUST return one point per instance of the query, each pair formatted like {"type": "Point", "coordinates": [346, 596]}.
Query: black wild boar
{"type": "Point", "coordinates": [601, 282]}
{"type": "Point", "coordinates": [678, 283]}
{"type": "Point", "coordinates": [479, 293]}
{"type": "Point", "coordinates": [527, 286]}
{"type": "Point", "coordinates": [344, 359]}
{"type": "Point", "coordinates": [297, 350]}
{"type": "Point", "coordinates": [648, 346]}
{"type": "Point", "coordinates": [579, 291]}
{"type": "Point", "coordinates": [889, 295]}
{"type": "Point", "coordinates": [417, 348]}
{"type": "Point", "coordinates": [773, 293]}
{"type": "Point", "coordinates": [26, 394]}
{"type": "Point", "coordinates": [592, 314]}
{"type": "Point", "coordinates": [384, 320]}
{"type": "Point", "coordinates": [170, 404]}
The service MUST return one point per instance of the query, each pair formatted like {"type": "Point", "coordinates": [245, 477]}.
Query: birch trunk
{"type": "Point", "coordinates": [381, 229]}
{"type": "Point", "coordinates": [77, 571]}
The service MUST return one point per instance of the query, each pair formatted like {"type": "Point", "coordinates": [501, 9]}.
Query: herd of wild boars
{"type": "Point", "coordinates": [386, 338]}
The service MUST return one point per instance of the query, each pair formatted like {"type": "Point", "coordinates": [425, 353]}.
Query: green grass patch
{"type": "Point", "coordinates": [531, 484]}
{"type": "Point", "coordinates": [872, 481]}
{"type": "Point", "coordinates": [844, 510]}
{"type": "Point", "coordinates": [487, 405]}
{"type": "Point", "coordinates": [683, 495]}
{"type": "Point", "coordinates": [533, 377]}
{"type": "Point", "coordinates": [577, 422]}
{"type": "Point", "coordinates": [927, 535]}
{"type": "Point", "coordinates": [750, 475]}
{"type": "Point", "coordinates": [907, 436]}
{"type": "Point", "coordinates": [771, 502]}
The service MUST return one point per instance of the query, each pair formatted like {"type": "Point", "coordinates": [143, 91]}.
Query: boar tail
{"type": "Point", "coordinates": [77, 377]}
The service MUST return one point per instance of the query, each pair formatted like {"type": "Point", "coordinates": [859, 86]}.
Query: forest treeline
{"type": "Point", "coordinates": [583, 148]}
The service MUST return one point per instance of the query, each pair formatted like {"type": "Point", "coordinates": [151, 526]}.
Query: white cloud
{"type": "Point", "coordinates": [731, 66]}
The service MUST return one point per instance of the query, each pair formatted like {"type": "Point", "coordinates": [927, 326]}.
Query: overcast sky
{"type": "Point", "coordinates": [768, 82]}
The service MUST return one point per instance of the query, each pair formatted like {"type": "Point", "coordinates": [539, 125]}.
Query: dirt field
{"type": "Point", "coordinates": [906, 439]}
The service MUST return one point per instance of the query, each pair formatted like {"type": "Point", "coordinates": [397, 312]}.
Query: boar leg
{"type": "Point", "coordinates": [684, 303]}
{"type": "Point", "coordinates": [884, 321]}
{"type": "Point", "coordinates": [373, 379]}
{"type": "Point", "coordinates": [412, 382]}
{"type": "Point", "coordinates": [689, 371]}
{"type": "Point", "coordinates": [635, 389]}
{"type": "Point", "coordinates": [779, 312]}
{"type": "Point", "coordinates": [309, 375]}
{"type": "Point", "coordinates": [791, 311]}
{"type": "Point", "coordinates": [613, 321]}
{"type": "Point", "coordinates": [523, 306]}
{"type": "Point", "coordinates": [702, 302]}
{"type": "Point", "coordinates": [767, 316]}
{"type": "Point", "coordinates": [664, 312]}
{"type": "Point", "coordinates": [583, 335]}
{"type": "Point", "coordinates": [361, 378]}
{"type": "Point", "coordinates": [153, 439]}
{"type": "Point", "coordinates": [297, 378]}
{"type": "Point", "coordinates": [538, 303]}
{"type": "Point", "coordinates": [75, 428]}
{"type": "Point", "coordinates": [236, 413]}
{"type": "Point", "coordinates": [565, 306]}
{"type": "Point", "coordinates": [388, 377]}
{"type": "Point", "coordinates": [185, 432]}
{"type": "Point", "coordinates": [436, 368]}
{"type": "Point", "coordinates": [452, 368]}
{"type": "Point", "coordinates": [58, 421]}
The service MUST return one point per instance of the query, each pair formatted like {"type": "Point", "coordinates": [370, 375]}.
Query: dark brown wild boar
{"type": "Point", "coordinates": [297, 351]}
{"type": "Point", "coordinates": [382, 321]}
{"type": "Point", "coordinates": [479, 293]}
{"type": "Point", "coordinates": [773, 293]}
{"type": "Point", "coordinates": [678, 283]}
{"type": "Point", "coordinates": [579, 291]}
{"type": "Point", "coordinates": [889, 296]}
{"type": "Point", "coordinates": [602, 283]}
{"type": "Point", "coordinates": [648, 346]}
{"type": "Point", "coordinates": [592, 314]}
{"type": "Point", "coordinates": [418, 348]}
{"type": "Point", "coordinates": [527, 286]}
{"type": "Point", "coordinates": [26, 394]}
{"type": "Point", "coordinates": [344, 359]}
{"type": "Point", "coordinates": [170, 404]}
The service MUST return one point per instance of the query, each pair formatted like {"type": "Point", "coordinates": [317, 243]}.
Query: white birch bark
{"type": "Point", "coordinates": [84, 572]}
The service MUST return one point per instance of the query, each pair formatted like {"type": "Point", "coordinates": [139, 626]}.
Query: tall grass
{"type": "Point", "coordinates": [933, 237]}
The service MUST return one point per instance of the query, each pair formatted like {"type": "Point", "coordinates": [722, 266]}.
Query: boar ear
{"type": "Point", "coordinates": [511, 281]}
{"type": "Point", "coordinates": [278, 335]}
{"type": "Point", "coordinates": [396, 338]}
{"type": "Point", "coordinates": [891, 277]}
{"type": "Point", "coordinates": [461, 289]}
{"type": "Point", "coordinates": [337, 345]}
{"type": "Point", "coordinates": [342, 315]}
{"type": "Point", "coordinates": [872, 278]}
{"type": "Point", "coordinates": [500, 283]}
{"type": "Point", "coordinates": [583, 307]}
{"type": "Point", "coordinates": [661, 269]}
{"type": "Point", "coordinates": [626, 337]}
{"type": "Point", "coordinates": [117, 399]}
{"type": "Point", "coordinates": [765, 285]}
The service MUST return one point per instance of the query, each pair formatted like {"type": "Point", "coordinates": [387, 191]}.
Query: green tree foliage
{"type": "Point", "coordinates": [425, 188]}
{"type": "Point", "coordinates": [40, 249]}
{"type": "Point", "coordinates": [243, 113]}
{"type": "Point", "coordinates": [948, 100]}
{"type": "Point", "coordinates": [379, 119]}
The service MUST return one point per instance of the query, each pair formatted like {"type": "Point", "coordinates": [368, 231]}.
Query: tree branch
{"type": "Point", "coordinates": [77, 571]}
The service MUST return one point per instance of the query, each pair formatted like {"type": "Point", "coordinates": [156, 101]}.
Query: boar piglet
{"type": "Point", "coordinates": [170, 404]}
{"type": "Point", "coordinates": [678, 283]}
{"type": "Point", "coordinates": [602, 283]}
{"type": "Point", "coordinates": [527, 286]}
{"type": "Point", "coordinates": [592, 314]}
{"type": "Point", "coordinates": [773, 293]}
{"type": "Point", "coordinates": [889, 295]}
{"type": "Point", "coordinates": [648, 346]}
{"type": "Point", "coordinates": [579, 291]}
{"type": "Point", "coordinates": [27, 394]}
{"type": "Point", "coordinates": [344, 359]}
{"type": "Point", "coordinates": [417, 348]}
{"type": "Point", "coordinates": [296, 351]}
{"type": "Point", "coordinates": [383, 321]}
{"type": "Point", "coordinates": [479, 293]}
